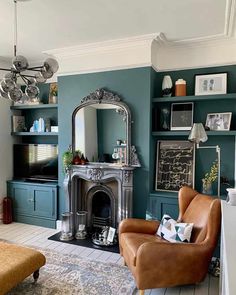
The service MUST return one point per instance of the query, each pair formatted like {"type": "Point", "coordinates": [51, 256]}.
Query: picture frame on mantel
{"type": "Point", "coordinates": [211, 84]}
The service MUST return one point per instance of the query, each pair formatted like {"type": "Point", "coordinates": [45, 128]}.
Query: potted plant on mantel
{"type": "Point", "coordinates": [67, 158]}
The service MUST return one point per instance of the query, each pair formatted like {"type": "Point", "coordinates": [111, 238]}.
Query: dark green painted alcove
{"type": "Point", "coordinates": [133, 86]}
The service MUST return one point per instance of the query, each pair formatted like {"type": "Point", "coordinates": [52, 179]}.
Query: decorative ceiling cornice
{"type": "Point", "coordinates": [151, 50]}
{"type": "Point", "coordinates": [96, 47]}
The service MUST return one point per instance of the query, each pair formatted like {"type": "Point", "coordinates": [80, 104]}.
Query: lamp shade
{"type": "Point", "coordinates": [197, 133]}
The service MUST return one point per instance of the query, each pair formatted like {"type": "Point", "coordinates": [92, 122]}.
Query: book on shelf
{"type": "Point", "coordinates": [18, 123]}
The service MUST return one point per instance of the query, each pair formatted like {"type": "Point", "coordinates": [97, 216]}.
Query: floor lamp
{"type": "Point", "coordinates": [197, 135]}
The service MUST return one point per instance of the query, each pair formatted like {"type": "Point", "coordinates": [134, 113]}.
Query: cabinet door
{"type": "Point", "coordinates": [159, 206]}
{"type": "Point", "coordinates": [23, 203]}
{"type": "Point", "coordinates": [44, 201]}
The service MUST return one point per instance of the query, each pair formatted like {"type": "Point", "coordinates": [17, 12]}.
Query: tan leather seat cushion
{"type": "Point", "coordinates": [132, 241]}
{"type": "Point", "coordinates": [17, 263]}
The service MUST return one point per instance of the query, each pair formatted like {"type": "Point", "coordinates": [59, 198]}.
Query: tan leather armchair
{"type": "Point", "coordinates": [156, 263]}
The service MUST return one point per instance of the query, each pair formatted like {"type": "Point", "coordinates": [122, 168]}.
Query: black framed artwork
{"type": "Point", "coordinates": [175, 165]}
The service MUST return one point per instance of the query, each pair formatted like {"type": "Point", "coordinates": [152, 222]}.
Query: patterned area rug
{"type": "Point", "coordinates": [73, 275]}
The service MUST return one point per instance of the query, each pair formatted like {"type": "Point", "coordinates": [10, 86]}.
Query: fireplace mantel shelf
{"type": "Point", "coordinates": [100, 165]}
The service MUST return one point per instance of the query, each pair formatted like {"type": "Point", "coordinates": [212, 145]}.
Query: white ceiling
{"type": "Point", "coordinates": [51, 24]}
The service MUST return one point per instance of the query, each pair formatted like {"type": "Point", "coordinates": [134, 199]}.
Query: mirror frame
{"type": "Point", "coordinates": [101, 96]}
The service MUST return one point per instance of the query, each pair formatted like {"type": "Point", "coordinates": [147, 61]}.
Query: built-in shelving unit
{"type": "Point", "coordinates": [33, 106]}
{"type": "Point", "coordinates": [195, 98]}
{"type": "Point", "coordinates": [35, 133]}
{"type": "Point", "coordinates": [186, 133]}
{"type": "Point", "coordinates": [161, 202]}
{"type": "Point", "coordinates": [33, 112]}
{"type": "Point", "coordinates": [35, 202]}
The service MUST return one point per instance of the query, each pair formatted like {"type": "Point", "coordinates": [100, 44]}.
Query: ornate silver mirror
{"type": "Point", "coordinates": [101, 129]}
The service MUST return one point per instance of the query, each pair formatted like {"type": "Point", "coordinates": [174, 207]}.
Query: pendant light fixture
{"type": "Point", "coordinates": [20, 70]}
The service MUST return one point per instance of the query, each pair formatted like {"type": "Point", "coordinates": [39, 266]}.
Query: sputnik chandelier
{"type": "Point", "coordinates": [20, 71]}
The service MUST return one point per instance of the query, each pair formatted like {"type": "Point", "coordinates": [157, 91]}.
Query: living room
{"type": "Point", "coordinates": [128, 56]}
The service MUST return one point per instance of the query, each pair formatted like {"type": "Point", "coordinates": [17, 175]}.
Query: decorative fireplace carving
{"type": "Point", "coordinates": [111, 182]}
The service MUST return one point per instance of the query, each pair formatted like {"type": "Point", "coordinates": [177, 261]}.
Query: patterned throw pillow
{"type": "Point", "coordinates": [174, 231]}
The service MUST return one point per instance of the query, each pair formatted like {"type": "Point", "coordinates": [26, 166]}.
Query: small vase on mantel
{"type": "Point", "coordinates": [167, 86]}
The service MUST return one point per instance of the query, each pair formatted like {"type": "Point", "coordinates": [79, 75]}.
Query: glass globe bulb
{"type": "Point", "coordinates": [11, 76]}
{"type": "Point", "coordinates": [20, 63]}
{"type": "Point", "coordinates": [3, 94]}
{"type": "Point", "coordinates": [15, 94]}
{"type": "Point", "coordinates": [39, 78]}
{"type": "Point", "coordinates": [7, 85]}
{"type": "Point", "coordinates": [51, 64]}
{"type": "Point", "coordinates": [47, 72]}
{"type": "Point", "coordinates": [32, 91]}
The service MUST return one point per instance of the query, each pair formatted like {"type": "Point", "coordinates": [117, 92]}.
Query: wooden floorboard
{"type": "Point", "coordinates": [32, 235]}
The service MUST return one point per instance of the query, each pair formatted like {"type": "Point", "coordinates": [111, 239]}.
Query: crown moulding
{"type": "Point", "coordinates": [152, 50]}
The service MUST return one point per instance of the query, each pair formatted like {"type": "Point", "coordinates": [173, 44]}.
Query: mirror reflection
{"type": "Point", "coordinates": [100, 133]}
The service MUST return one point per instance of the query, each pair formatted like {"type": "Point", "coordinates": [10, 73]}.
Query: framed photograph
{"type": "Point", "coordinates": [175, 165]}
{"type": "Point", "coordinates": [181, 116]}
{"type": "Point", "coordinates": [211, 84]}
{"type": "Point", "coordinates": [53, 93]}
{"type": "Point", "coordinates": [18, 123]}
{"type": "Point", "coordinates": [111, 234]}
{"type": "Point", "coordinates": [219, 121]}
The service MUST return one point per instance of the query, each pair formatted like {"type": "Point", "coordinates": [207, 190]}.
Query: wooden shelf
{"type": "Point", "coordinates": [195, 98]}
{"type": "Point", "coordinates": [186, 133]}
{"type": "Point", "coordinates": [35, 133]}
{"type": "Point", "coordinates": [34, 106]}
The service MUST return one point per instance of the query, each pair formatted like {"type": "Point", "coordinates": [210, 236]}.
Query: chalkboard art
{"type": "Point", "coordinates": [175, 165]}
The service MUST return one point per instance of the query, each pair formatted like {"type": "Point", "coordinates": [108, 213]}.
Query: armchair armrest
{"type": "Point", "coordinates": [173, 263]}
{"type": "Point", "coordinates": [138, 226]}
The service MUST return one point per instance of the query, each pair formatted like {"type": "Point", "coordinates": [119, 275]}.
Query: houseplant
{"type": "Point", "coordinates": [209, 178]}
{"type": "Point", "coordinates": [67, 159]}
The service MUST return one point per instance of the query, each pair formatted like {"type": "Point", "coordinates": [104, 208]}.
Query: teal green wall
{"type": "Point", "coordinates": [133, 86]}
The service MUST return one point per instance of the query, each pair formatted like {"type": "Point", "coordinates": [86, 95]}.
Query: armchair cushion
{"type": "Point", "coordinates": [132, 241]}
{"type": "Point", "coordinates": [174, 231]}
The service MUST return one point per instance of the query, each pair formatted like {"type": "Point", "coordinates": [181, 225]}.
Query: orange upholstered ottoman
{"type": "Point", "coordinates": [17, 263]}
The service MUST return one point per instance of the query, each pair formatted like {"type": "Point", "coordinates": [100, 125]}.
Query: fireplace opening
{"type": "Point", "coordinates": [101, 210]}
{"type": "Point", "coordinates": [101, 204]}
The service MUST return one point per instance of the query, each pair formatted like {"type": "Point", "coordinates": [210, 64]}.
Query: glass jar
{"type": "Point", "coordinates": [207, 187]}
{"type": "Point", "coordinates": [67, 226]}
{"type": "Point", "coordinates": [81, 232]}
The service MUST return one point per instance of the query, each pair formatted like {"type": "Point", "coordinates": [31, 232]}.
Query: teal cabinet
{"type": "Point", "coordinates": [34, 203]}
{"type": "Point", "coordinates": [160, 204]}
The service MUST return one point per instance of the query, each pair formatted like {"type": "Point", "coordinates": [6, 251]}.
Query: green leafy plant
{"type": "Point", "coordinates": [67, 158]}
{"type": "Point", "coordinates": [211, 176]}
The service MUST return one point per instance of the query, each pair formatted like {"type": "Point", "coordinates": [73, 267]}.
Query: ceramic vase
{"type": "Point", "coordinates": [165, 119]}
{"type": "Point", "coordinates": [167, 86]}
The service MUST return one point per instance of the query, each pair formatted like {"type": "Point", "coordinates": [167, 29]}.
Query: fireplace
{"type": "Point", "coordinates": [101, 206]}
{"type": "Point", "coordinates": [105, 191]}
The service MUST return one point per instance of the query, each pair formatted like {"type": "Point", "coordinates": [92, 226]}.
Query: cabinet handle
{"type": "Point", "coordinates": [30, 200]}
